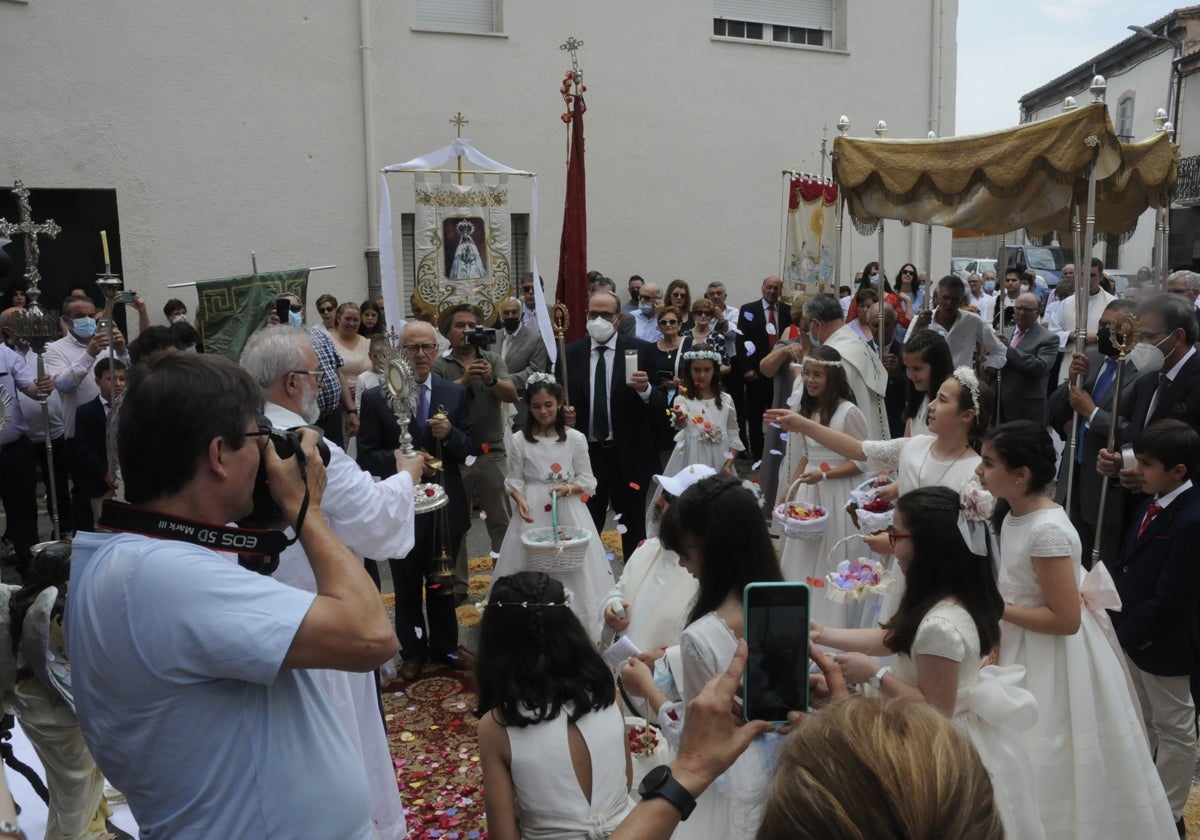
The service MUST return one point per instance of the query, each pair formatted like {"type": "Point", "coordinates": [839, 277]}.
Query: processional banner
{"type": "Point", "coordinates": [811, 238]}
{"type": "Point", "coordinates": [232, 308]}
{"type": "Point", "coordinates": [463, 244]}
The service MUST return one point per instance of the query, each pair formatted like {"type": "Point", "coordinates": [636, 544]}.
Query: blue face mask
{"type": "Point", "coordinates": [296, 319]}
{"type": "Point", "coordinates": [874, 281]}
{"type": "Point", "coordinates": [84, 327]}
{"type": "Point", "coordinates": [989, 287]}
{"type": "Point", "coordinates": [812, 336]}
{"type": "Point", "coordinates": [646, 309]}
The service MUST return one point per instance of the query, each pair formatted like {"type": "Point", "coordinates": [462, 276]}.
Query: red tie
{"type": "Point", "coordinates": [1017, 337]}
{"type": "Point", "coordinates": [1153, 511]}
{"type": "Point", "coordinates": [772, 335]}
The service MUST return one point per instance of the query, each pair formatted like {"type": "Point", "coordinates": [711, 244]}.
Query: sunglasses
{"type": "Point", "coordinates": [668, 322]}
{"type": "Point", "coordinates": [906, 271]}
{"type": "Point", "coordinates": [322, 309]}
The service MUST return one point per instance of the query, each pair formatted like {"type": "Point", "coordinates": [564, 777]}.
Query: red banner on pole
{"type": "Point", "coordinates": [572, 287]}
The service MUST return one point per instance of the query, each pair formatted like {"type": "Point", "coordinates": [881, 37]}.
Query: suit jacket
{"type": "Point", "coordinates": [379, 438]}
{"type": "Point", "coordinates": [527, 356]}
{"type": "Point", "coordinates": [1095, 438]}
{"type": "Point", "coordinates": [1157, 576]}
{"type": "Point", "coordinates": [88, 450]}
{"type": "Point", "coordinates": [630, 417]}
{"type": "Point", "coordinates": [1027, 370]}
{"type": "Point", "coordinates": [752, 322]}
{"type": "Point", "coordinates": [1181, 402]}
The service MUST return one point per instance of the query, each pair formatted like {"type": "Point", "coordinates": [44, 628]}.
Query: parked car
{"type": "Point", "coordinates": [1045, 260]}
{"type": "Point", "coordinates": [958, 265]}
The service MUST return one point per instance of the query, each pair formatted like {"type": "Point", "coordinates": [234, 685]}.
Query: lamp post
{"type": "Point", "coordinates": [1176, 52]}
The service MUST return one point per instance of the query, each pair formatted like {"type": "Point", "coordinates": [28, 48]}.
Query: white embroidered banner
{"type": "Point", "coordinates": [811, 235]}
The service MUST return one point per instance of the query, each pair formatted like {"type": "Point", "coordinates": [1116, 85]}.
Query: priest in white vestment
{"type": "Point", "coordinates": [864, 369]}
{"type": "Point", "coordinates": [1098, 300]}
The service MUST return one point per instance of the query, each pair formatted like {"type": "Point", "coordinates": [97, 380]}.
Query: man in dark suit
{"type": "Point", "coordinates": [1095, 404]}
{"type": "Point", "coordinates": [1166, 391]}
{"type": "Point", "coordinates": [893, 363]}
{"type": "Point", "coordinates": [89, 448]}
{"type": "Point", "coordinates": [1032, 350]}
{"type": "Point", "coordinates": [378, 439]}
{"type": "Point", "coordinates": [524, 353]}
{"type": "Point", "coordinates": [613, 405]}
{"type": "Point", "coordinates": [760, 324]}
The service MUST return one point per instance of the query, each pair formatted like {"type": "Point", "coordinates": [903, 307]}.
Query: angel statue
{"type": "Point", "coordinates": [36, 681]}
{"type": "Point", "coordinates": [468, 263]}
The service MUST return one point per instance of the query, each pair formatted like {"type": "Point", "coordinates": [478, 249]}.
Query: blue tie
{"type": "Point", "coordinates": [422, 415]}
{"type": "Point", "coordinates": [1099, 392]}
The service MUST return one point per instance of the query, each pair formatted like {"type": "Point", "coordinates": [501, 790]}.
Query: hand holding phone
{"type": "Point", "coordinates": [777, 632]}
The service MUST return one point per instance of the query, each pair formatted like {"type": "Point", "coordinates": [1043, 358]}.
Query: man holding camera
{"type": "Point", "coordinates": [375, 519]}
{"type": "Point", "coordinates": [189, 671]}
{"type": "Point", "coordinates": [485, 376]}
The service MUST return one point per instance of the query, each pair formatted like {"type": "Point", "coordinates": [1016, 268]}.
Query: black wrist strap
{"type": "Point", "coordinates": [117, 516]}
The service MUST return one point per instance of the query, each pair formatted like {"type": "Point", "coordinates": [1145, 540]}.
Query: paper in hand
{"type": "Point", "coordinates": [620, 650]}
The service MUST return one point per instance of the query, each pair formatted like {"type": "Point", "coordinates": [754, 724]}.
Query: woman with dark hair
{"type": "Point", "coordinates": [910, 292]}
{"type": "Point", "coordinates": [947, 621]}
{"type": "Point", "coordinates": [371, 319]}
{"type": "Point", "coordinates": [872, 278]}
{"type": "Point", "coordinates": [14, 297]}
{"type": "Point", "coordinates": [680, 296]}
{"type": "Point", "coordinates": [1091, 763]}
{"type": "Point", "coordinates": [927, 363]}
{"type": "Point", "coordinates": [716, 528]}
{"type": "Point", "coordinates": [551, 738]}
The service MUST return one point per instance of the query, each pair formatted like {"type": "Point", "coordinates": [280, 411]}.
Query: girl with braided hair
{"type": "Point", "coordinates": [552, 740]}
{"type": "Point", "coordinates": [717, 529]}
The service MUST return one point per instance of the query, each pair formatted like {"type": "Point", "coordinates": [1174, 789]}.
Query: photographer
{"type": "Point", "coordinates": [473, 365]}
{"type": "Point", "coordinates": [187, 668]}
{"type": "Point", "coordinates": [374, 519]}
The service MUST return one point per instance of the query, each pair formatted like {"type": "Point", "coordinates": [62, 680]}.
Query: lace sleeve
{"type": "Point", "coordinates": [1049, 539]}
{"type": "Point", "coordinates": [884, 454]}
{"type": "Point", "coordinates": [937, 636]}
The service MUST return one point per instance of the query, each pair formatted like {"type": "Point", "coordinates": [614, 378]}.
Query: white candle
{"type": "Point", "coordinates": [104, 245]}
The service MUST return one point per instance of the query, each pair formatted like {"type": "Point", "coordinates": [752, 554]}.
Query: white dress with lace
{"type": "Point", "coordinates": [1091, 762]}
{"type": "Point", "coordinates": [806, 560]}
{"type": "Point", "coordinates": [533, 468]}
{"type": "Point", "coordinates": [732, 807]}
{"type": "Point", "coordinates": [992, 709]}
{"type": "Point", "coordinates": [913, 465]}
{"type": "Point", "coordinates": [550, 803]}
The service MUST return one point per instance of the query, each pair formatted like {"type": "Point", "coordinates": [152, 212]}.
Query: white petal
{"type": "Point", "coordinates": [469, 461]}
{"type": "Point", "coordinates": [749, 316]}
{"type": "Point", "coordinates": [621, 529]}
{"type": "Point", "coordinates": [728, 454]}
{"type": "Point", "coordinates": [495, 555]}
{"type": "Point", "coordinates": [420, 631]}
{"type": "Point", "coordinates": [754, 466]}
{"type": "Point", "coordinates": [617, 517]}
{"type": "Point", "coordinates": [483, 514]}
{"type": "Point", "coordinates": [750, 348]}
{"type": "Point", "coordinates": [771, 329]}
{"type": "Point", "coordinates": [783, 436]}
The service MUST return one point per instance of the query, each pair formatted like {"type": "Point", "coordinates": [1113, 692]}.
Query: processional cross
{"type": "Point", "coordinates": [458, 121]}
{"type": "Point", "coordinates": [32, 232]}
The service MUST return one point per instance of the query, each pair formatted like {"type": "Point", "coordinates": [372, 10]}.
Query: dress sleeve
{"type": "Point", "coordinates": [884, 454]}
{"type": "Point", "coordinates": [937, 636]}
{"type": "Point", "coordinates": [581, 462]}
{"type": "Point", "coordinates": [516, 464]}
{"type": "Point", "coordinates": [732, 435]}
{"type": "Point", "coordinates": [855, 425]}
{"type": "Point", "coordinates": [1048, 539]}
{"type": "Point", "coordinates": [699, 660]}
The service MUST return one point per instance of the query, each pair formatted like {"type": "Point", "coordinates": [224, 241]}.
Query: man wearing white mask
{"type": "Point", "coordinates": [976, 296]}
{"type": "Point", "coordinates": [1097, 300]}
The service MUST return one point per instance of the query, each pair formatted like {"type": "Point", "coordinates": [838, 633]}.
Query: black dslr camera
{"type": "Point", "coordinates": [481, 338]}
{"type": "Point", "coordinates": [268, 514]}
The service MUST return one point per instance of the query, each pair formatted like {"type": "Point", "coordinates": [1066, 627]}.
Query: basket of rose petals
{"type": "Point", "coordinates": [869, 511]}
{"type": "Point", "coordinates": [647, 746]}
{"type": "Point", "coordinates": [801, 520]}
{"type": "Point", "coordinates": [856, 579]}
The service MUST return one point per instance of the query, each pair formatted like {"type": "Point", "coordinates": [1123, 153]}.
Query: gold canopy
{"type": "Point", "coordinates": [992, 183]}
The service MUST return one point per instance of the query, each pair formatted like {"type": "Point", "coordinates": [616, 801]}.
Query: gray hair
{"type": "Point", "coordinates": [824, 307]}
{"type": "Point", "coordinates": [716, 284]}
{"type": "Point", "coordinates": [1176, 311]}
{"type": "Point", "coordinates": [1190, 277]}
{"type": "Point", "coordinates": [274, 351]}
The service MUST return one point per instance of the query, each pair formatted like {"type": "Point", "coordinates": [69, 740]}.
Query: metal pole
{"type": "Point", "coordinates": [1002, 271]}
{"type": "Point", "coordinates": [843, 126]}
{"type": "Point", "coordinates": [881, 132]}
{"type": "Point", "coordinates": [51, 484]}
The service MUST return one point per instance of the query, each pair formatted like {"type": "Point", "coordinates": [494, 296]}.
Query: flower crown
{"type": "Point", "coordinates": [826, 362]}
{"type": "Point", "coordinates": [568, 599]}
{"type": "Point", "coordinates": [967, 378]}
{"type": "Point", "coordinates": [535, 378]}
{"type": "Point", "coordinates": [711, 355]}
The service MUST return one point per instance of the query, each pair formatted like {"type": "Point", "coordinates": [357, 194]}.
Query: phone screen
{"type": "Point", "coordinates": [281, 309]}
{"type": "Point", "coordinates": [776, 679]}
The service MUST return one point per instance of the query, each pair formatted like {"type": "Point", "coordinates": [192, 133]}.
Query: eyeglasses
{"type": "Point", "coordinates": [696, 313]}
{"type": "Point", "coordinates": [894, 537]}
{"type": "Point", "coordinates": [260, 433]}
{"type": "Point", "coordinates": [649, 298]}
{"type": "Point", "coordinates": [324, 310]}
{"type": "Point", "coordinates": [315, 374]}
{"type": "Point", "coordinates": [416, 349]}
{"type": "Point", "coordinates": [668, 322]}
{"type": "Point", "coordinates": [607, 316]}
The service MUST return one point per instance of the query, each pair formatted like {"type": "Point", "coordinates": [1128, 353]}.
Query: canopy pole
{"type": "Point", "coordinates": [881, 132]}
{"type": "Point", "coordinates": [1002, 270]}
{"type": "Point", "coordinates": [843, 126]}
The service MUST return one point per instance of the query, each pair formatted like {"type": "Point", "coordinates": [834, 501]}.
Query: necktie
{"type": "Point", "coordinates": [1017, 336]}
{"type": "Point", "coordinates": [508, 342]}
{"type": "Point", "coordinates": [600, 397]}
{"type": "Point", "coordinates": [422, 415]}
{"type": "Point", "coordinates": [1159, 395]}
{"type": "Point", "coordinates": [772, 335]}
{"type": "Point", "coordinates": [1151, 512]}
{"type": "Point", "coordinates": [1099, 392]}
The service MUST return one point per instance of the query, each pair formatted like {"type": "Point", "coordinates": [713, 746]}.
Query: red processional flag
{"type": "Point", "coordinates": [572, 287]}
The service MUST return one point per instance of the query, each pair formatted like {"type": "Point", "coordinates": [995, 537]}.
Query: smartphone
{"type": "Point", "coordinates": [282, 305]}
{"type": "Point", "coordinates": [126, 297]}
{"type": "Point", "coordinates": [777, 626]}
{"type": "Point", "coordinates": [666, 376]}
{"type": "Point", "coordinates": [101, 324]}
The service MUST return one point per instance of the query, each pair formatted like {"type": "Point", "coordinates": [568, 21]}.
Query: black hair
{"type": "Point", "coordinates": [174, 305]}
{"type": "Point", "coordinates": [380, 324]}
{"type": "Point", "coordinates": [184, 335]}
{"type": "Point", "coordinates": [560, 420]}
{"type": "Point", "coordinates": [837, 386]}
{"type": "Point", "coordinates": [151, 340]}
{"type": "Point", "coordinates": [722, 520]}
{"type": "Point", "coordinates": [914, 283]}
{"type": "Point", "coordinates": [935, 352]}
{"type": "Point", "coordinates": [685, 372]}
{"type": "Point", "coordinates": [983, 414]}
{"type": "Point", "coordinates": [865, 282]}
{"type": "Point", "coordinates": [446, 318]}
{"type": "Point", "coordinates": [1022, 443]}
{"type": "Point", "coordinates": [943, 566]}
{"type": "Point", "coordinates": [1170, 442]}
{"type": "Point", "coordinates": [175, 405]}
{"type": "Point", "coordinates": [534, 655]}
{"type": "Point", "coordinates": [102, 366]}
{"type": "Point", "coordinates": [952, 281]}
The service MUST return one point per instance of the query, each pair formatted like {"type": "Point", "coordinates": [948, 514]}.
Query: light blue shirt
{"type": "Point", "coordinates": [176, 661]}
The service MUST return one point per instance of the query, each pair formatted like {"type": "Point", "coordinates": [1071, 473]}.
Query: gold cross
{"type": "Point", "coordinates": [458, 121]}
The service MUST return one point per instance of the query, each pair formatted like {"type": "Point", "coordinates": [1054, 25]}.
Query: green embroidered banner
{"type": "Point", "coordinates": [232, 308]}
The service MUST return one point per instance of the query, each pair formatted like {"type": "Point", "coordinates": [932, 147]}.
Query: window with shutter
{"type": "Point", "coordinates": [457, 15]}
{"type": "Point", "coordinates": [805, 22]}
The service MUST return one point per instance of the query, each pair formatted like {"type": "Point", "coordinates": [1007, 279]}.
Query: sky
{"type": "Point", "coordinates": [1006, 49]}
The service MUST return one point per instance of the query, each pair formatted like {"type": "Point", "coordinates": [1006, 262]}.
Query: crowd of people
{"type": "Point", "coordinates": [1042, 648]}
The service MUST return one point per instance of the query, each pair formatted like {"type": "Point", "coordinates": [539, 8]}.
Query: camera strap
{"type": "Point", "coordinates": [118, 516]}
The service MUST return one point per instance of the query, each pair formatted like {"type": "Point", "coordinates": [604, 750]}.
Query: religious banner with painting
{"type": "Point", "coordinates": [811, 235]}
{"type": "Point", "coordinates": [231, 308]}
{"type": "Point", "coordinates": [463, 244]}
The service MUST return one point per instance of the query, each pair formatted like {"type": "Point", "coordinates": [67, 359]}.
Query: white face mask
{"type": "Point", "coordinates": [1147, 357]}
{"type": "Point", "coordinates": [601, 330]}
{"type": "Point", "coordinates": [182, 316]}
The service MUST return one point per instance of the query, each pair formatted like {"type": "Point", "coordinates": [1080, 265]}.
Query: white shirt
{"type": "Point", "coordinates": [1096, 304]}
{"type": "Point", "coordinates": [68, 363]}
{"type": "Point", "coordinates": [968, 331]}
{"type": "Point", "coordinates": [14, 375]}
{"type": "Point", "coordinates": [32, 409]}
{"type": "Point", "coordinates": [610, 369]}
{"type": "Point", "coordinates": [985, 303]}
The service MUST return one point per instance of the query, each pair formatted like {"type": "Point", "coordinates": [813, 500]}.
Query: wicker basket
{"type": "Point", "coordinates": [557, 548]}
{"type": "Point", "coordinates": [853, 580]}
{"type": "Point", "coordinates": [868, 521]}
{"type": "Point", "coordinates": [800, 529]}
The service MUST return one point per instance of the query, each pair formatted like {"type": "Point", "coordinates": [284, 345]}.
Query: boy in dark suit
{"type": "Point", "coordinates": [1156, 576]}
{"type": "Point", "coordinates": [88, 450]}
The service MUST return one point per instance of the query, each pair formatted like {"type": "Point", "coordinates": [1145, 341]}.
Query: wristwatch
{"type": "Point", "coordinates": [876, 682]}
{"type": "Point", "coordinates": [660, 782]}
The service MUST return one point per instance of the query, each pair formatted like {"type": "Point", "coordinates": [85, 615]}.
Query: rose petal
{"type": "Point", "coordinates": [484, 448]}
{"type": "Point", "coordinates": [549, 508]}
{"type": "Point", "coordinates": [469, 461]}
{"type": "Point", "coordinates": [584, 497]}
{"type": "Point", "coordinates": [635, 485]}
{"type": "Point", "coordinates": [750, 348]}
